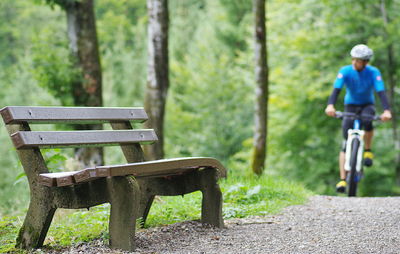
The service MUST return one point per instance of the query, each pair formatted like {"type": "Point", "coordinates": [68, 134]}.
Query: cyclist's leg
{"type": "Point", "coordinates": [368, 139]}
{"type": "Point", "coordinates": [346, 125]}
{"type": "Point", "coordinates": [342, 158]}
{"type": "Point", "coordinates": [368, 127]}
{"type": "Point", "coordinates": [369, 133]}
{"type": "Point", "coordinates": [341, 185]}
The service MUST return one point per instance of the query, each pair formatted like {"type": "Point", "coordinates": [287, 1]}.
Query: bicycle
{"type": "Point", "coordinates": [355, 149]}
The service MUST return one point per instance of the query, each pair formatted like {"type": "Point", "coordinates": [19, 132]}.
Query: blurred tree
{"type": "Point", "coordinates": [157, 74]}
{"type": "Point", "coordinates": [261, 77]}
{"type": "Point", "coordinates": [87, 90]}
{"type": "Point", "coordinates": [211, 98]}
{"type": "Point", "coordinates": [392, 79]}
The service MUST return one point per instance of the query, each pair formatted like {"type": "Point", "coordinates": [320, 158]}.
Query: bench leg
{"type": "Point", "coordinates": [146, 200]}
{"type": "Point", "coordinates": [124, 195]}
{"type": "Point", "coordinates": [36, 224]}
{"type": "Point", "coordinates": [145, 205]}
{"type": "Point", "coordinates": [211, 209]}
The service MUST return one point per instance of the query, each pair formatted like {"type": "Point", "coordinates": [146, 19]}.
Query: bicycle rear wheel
{"type": "Point", "coordinates": [353, 165]}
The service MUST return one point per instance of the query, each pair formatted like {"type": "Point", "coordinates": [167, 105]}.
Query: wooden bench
{"type": "Point", "coordinates": [130, 188]}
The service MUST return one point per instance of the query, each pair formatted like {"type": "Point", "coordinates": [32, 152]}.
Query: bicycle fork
{"type": "Point", "coordinates": [354, 134]}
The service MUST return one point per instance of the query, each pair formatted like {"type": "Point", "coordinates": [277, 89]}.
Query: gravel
{"type": "Point", "coordinates": [323, 225]}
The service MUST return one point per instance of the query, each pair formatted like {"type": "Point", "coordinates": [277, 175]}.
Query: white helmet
{"type": "Point", "coordinates": [361, 51]}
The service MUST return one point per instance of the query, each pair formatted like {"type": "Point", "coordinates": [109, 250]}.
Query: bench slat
{"type": "Point", "coordinates": [85, 175]}
{"type": "Point", "coordinates": [53, 139]}
{"type": "Point", "coordinates": [81, 115]}
{"type": "Point", "coordinates": [156, 168]}
{"type": "Point", "coordinates": [57, 179]}
{"type": "Point", "coordinates": [161, 167]}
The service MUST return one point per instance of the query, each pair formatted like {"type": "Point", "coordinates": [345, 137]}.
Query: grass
{"type": "Point", "coordinates": [243, 197]}
{"type": "Point", "coordinates": [8, 231]}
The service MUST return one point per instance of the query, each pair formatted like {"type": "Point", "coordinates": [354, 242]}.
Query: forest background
{"type": "Point", "coordinates": [210, 106]}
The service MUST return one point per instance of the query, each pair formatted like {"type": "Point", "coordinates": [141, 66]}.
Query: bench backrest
{"type": "Point", "coordinates": [80, 115]}
{"type": "Point", "coordinates": [28, 143]}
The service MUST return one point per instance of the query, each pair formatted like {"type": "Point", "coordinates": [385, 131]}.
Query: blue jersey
{"type": "Point", "coordinates": [360, 85]}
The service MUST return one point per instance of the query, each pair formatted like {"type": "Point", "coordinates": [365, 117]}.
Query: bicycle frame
{"type": "Point", "coordinates": [355, 133]}
{"type": "Point", "coordinates": [354, 160]}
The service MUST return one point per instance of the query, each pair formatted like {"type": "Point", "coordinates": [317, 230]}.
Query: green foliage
{"type": "Point", "coordinates": [79, 226]}
{"type": "Point", "coordinates": [53, 65]}
{"type": "Point", "coordinates": [55, 159]}
{"type": "Point", "coordinates": [260, 196]}
{"type": "Point", "coordinates": [379, 180]}
{"type": "Point", "coordinates": [205, 92]}
{"type": "Point", "coordinates": [62, 3]}
{"type": "Point", "coordinates": [211, 97]}
{"type": "Point", "coordinates": [7, 33]}
{"type": "Point", "coordinates": [168, 210]}
{"type": "Point", "coordinates": [121, 27]}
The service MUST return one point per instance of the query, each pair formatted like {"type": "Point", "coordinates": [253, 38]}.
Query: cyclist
{"type": "Point", "coordinates": [360, 80]}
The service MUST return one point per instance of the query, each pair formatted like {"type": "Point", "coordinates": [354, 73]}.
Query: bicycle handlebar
{"type": "Point", "coordinates": [354, 116]}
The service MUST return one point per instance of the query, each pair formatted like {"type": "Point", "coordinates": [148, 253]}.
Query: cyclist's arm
{"type": "Point", "coordinates": [387, 114]}
{"type": "Point", "coordinates": [330, 108]}
{"type": "Point", "coordinates": [337, 87]}
{"type": "Point", "coordinates": [384, 100]}
{"type": "Point", "coordinates": [380, 89]}
{"type": "Point", "coordinates": [334, 95]}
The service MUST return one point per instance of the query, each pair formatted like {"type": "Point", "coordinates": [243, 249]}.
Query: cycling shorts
{"type": "Point", "coordinates": [347, 123]}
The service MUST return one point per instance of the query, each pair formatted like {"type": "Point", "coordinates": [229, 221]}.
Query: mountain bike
{"type": "Point", "coordinates": [355, 149]}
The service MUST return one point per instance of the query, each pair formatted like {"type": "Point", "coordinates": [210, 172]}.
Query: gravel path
{"type": "Point", "coordinates": [323, 225]}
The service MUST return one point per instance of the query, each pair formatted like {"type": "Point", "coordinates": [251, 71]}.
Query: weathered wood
{"type": "Point", "coordinates": [37, 222]}
{"type": "Point", "coordinates": [57, 179]}
{"type": "Point", "coordinates": [53, 139]}
{"type": "Point", "coordinates": [146, 200]}
{"type": "Point", "coordinates": [45, 200]}
{"type": "Point", "coordinates": [84, 195]}
{"type": "Point", "coordinates": [124, 198]}
{"type": "Point", "coordinates": [81, 115]}
{"type": "Point", "coordinates": [85, 175]}
{"type": "Point", "coordinates": [134, 153]}
{"type": "Point", "coordinates": [211, 208]}
{"type": "Point", "coordinates": [157, 168]}
{"type": "Point", "coordinates": [204, 180]}
{"type": "Point", "coordinates": [178, 184]}
{"type": "Point", "coordinates": [129, 188]}
{"type": "Point", "coordinates": [161, 167]}
{"type": "Point", "coordinates": [41, 211]}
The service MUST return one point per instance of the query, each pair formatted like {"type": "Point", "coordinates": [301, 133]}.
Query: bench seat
{"type": "Point", "coordinates": [157, 168]}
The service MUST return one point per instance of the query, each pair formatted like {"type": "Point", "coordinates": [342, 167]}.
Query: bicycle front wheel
{"type": "Point", "coordinates": [353, 165]}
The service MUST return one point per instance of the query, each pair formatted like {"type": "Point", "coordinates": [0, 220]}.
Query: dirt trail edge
{"type": "Point", "coordinates": [323, 225]}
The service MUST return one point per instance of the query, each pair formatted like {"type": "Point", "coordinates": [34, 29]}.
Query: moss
{"type": "Point", "coordinates": [28, 238]}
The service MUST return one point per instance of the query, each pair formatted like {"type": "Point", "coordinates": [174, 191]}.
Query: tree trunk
{"type": "Point", "coordinates": [84, 49]}
{"type": "Point", "coordinates": [261, 77]}
{"type": "Point", "coordinates": [157, 74]}
{"type": "Point", "coordinates": [392, 83]}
